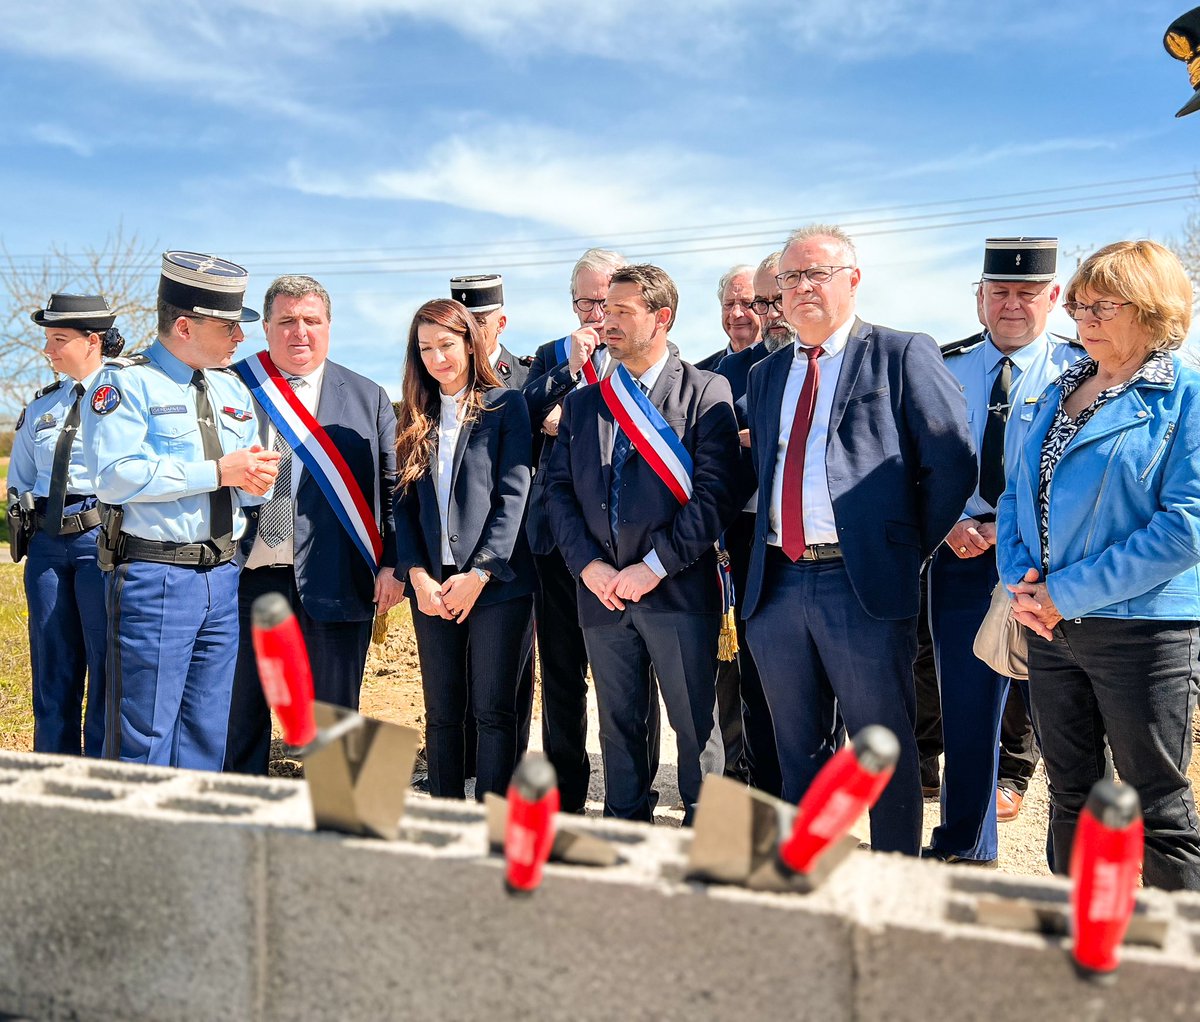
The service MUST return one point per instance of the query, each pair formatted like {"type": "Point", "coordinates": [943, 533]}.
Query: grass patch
{"type": "Point", "coordinates": [16, 703]}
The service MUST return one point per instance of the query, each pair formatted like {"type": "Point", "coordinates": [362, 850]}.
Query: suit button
{"type": "Point", "coordinates": [603, 506]}
{"type": "Point", "coordinates": [608, 544]}
{"type": "Point", "coordinates": [454, 538]}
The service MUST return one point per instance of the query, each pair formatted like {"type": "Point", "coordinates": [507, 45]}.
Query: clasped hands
{"type": "Point", "coordinates": [451, 599]}
{"type": "Point", "coordinates": [612, 587]}
{"type": "Point", "coordinates": [970, 538]}
{"type": "Point", "coordinates": [252, 469]}
{"type": "Point", "coordinates": [1033, 607]}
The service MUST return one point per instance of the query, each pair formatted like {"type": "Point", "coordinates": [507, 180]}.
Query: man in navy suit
{"type": "Point", "coordinates": [864, 463]}
{"type": "Point", "coordinates": [640, 539]}
{"type": "Point", "coordinates": [296, 543]}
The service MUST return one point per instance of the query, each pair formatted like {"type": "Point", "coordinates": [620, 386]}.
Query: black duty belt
{"type": "Point", "coordinates": [72, 525]}
{"type": "Point", "coordinates": [185, 555]}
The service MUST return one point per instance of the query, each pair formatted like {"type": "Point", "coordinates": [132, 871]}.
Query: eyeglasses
{"type": "Point", "coordinates": [586, 305]}
{"type": "Point", "coordinates": [761, 305]}
{"type": "Point", "coordinates": [1101, 310]}
{"type": "Point", "coordinates": [230, 327]}
{"type": "Point", "coordinates": [814, 275]}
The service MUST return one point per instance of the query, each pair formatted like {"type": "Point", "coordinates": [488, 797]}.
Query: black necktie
{"type": "Point", "coordinates": [62, 462]}
{"type": "Point", "coordinates": [220, 500]}
{"type": "Point", "coordinates": [991, 459]}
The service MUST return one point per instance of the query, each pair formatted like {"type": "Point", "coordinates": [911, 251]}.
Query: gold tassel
{"type": "Point", "coordinates": [727, 644]}
{"type": "Point", "coordinates": [379, 631]}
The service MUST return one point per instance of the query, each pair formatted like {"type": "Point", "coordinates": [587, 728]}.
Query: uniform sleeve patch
{"type": "Point", "coordinates": [105, 399]}
{"type": "Point", "coordinates": [238, 414]}
{"type": "Point", "coordinates": [20, 420]}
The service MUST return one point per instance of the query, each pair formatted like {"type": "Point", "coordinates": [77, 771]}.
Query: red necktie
{"type": "Point", "coordinates": [792, 511]}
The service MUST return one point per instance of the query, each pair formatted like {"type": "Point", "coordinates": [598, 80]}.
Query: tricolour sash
{"type": "Point", "coordinates": [562, 348]}
{"type": "Point", "coordinates": [313, 446]}
{"type": "Point", "coordinates": [649, 433]}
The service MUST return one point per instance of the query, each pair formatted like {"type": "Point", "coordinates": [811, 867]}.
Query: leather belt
{"type": "Point", "coordinates": [816, 552]}
{"type": "Point", "coordinates": [822, 552]}
{"type": "Point", "coordinates": [185, 555]}
{"type": "Point", "coordinates": [72, 525]}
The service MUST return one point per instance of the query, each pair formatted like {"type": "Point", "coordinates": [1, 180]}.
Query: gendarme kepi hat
{"type": "Point", "coordinates": [77, 312]}
{"type": "Point", "coordinates": [205, 285]}
{"type": "Point", "coordinates": [481, 293]}
{"type": "Point", "coordinates": [1020, 258]}
{"type": "Point", "coordinates": [1182, 42]}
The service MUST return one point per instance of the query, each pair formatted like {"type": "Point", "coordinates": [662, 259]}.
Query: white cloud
{"type": "Point", "coordinates": [62, 137]}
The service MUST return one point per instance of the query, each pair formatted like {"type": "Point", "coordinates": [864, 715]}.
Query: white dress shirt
{"type": "Point", "coordinates": [308, 393]}
{"type": "Point", "coordinates": [819, 523]}
{"type": "Point", "coordinates": [448, 431]}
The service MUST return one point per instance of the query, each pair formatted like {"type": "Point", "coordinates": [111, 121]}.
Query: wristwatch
{"type": "Point", "coordinates": [483, 575]}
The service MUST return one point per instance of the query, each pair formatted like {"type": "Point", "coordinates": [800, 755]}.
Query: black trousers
{"type": "Point", "coordinates": [745, 717]}
{"type": "Point", "coordinates": [1019, 752]}
{"type": "Point", "coordinates": [1132, 682]}
{"type": "Point", "coordinates": [336, 649]}
{"type": "Point", "coordinates": [682, 649]}
{"type": "Point", "coordinates": [495, 635]}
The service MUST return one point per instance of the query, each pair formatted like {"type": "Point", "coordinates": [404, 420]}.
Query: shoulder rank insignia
{"type": "Point", "coordinates": [526, 360]}
{"type": "Point", "coordinates": [50, 388]}
{"type": "Point", "coordinates": [105, 398]}
{"type": "Point", "coordinates": [125, 362]}
{"type": "Point", "coordinates": [237, 414]}
{"type": "Point", "coordinates": [962, 347]}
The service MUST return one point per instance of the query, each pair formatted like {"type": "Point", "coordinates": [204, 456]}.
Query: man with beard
{"type": "Point", "coordinates": [641, 486]}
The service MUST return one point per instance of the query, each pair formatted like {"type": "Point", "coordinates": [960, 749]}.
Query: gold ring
{"type": "Point", "coordinates": [962, 549]}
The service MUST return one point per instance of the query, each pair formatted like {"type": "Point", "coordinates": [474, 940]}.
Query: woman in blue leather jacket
{"type": "Point", "coordinates": [1099, 542]}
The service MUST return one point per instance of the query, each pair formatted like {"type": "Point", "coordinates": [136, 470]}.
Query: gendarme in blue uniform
{"type": "Point", "coordinates": [172, 596]}
{"type": "Point", "coordinates": [64, 588]}
{"type": "Point", "coordinates": [973, 695]}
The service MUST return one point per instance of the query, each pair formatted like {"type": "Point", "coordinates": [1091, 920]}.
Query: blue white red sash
{"type": "Point", "coordinates": [315, 449]}
{"type": "Point", "coordinates": [562, 348]}
{"type": "Point", "coordinates": [649, 433]}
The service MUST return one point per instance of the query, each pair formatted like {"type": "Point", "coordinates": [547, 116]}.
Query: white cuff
{"type": "Point", "coordinates": [652, 562]}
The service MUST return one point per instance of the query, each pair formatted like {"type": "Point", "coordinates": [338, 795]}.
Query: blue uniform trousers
{"type": "Point", "coordinates": [172, 644]}
{"type": "Point", "coordinates": [973, 697]}
{"type": "Point", "coordinates": [67, 636]}
{"type": "Point", "coordinates": [821, 657]}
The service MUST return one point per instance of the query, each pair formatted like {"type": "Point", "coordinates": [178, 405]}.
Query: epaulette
{"type": "Point", "coordinates": [50, 388]}
{"type": "Point", "coordinates": [525, 360]}
{"type": "Point", "coordinates": [227, 369]}
{"type": "Point", "coordinates": [1074, 342]}
{"type": "Point", "coordinates": [963, 346]}
{"type": "Point", "coordinates": [126, 361]}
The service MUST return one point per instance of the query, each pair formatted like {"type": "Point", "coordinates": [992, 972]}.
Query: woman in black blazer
{"type": "Point", "coordinates": [463, 463]}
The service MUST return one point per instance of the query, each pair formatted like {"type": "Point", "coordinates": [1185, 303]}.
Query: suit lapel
{"type": "Point", "coordinates": [772, 400]}
{"type": "Point", "coordinates": [856, 351]}
{"type": "Point", "coordinates": [604, 437]}
{"type": "Point", "coordinates": [460, 448]}
{"type": "Point", "coordinates": [665, 382]}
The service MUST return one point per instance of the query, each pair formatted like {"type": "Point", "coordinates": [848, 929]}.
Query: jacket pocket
{"type": "Point", "coordinates": [1158, 452]}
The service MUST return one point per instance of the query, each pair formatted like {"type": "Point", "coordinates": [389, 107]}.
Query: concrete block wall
{"type": "Point", "coordinates": [137, 893]}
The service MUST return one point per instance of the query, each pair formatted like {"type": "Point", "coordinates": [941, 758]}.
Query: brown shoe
{"type": "Point", "coordinates": [1008, 805]}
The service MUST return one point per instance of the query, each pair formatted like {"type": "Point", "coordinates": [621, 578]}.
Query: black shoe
{"type": "Point", "coordinates": [957, 860]}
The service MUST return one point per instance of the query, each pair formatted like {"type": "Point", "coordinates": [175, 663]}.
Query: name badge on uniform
{"type": "Point", "coordinates": [168, 409]}
{"type": "Point", "coordinates": [237, 414]}
{"type": "Point", "coordinates": [105, 399]}
{"type": "Point", "coordinates": [45, 422]}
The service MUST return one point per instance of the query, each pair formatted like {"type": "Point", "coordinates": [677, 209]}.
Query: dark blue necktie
{"type": "Point", "coordinates": [620, 451]}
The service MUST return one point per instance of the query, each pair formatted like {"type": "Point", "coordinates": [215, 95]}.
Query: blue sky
{"type": "Point", "coordinates": [383, 145]}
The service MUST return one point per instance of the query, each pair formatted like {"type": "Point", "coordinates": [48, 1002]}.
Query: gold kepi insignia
{"type": "Point", "coordinates": [1182, 41]}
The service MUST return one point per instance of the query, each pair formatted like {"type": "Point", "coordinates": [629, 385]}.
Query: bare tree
{"type": "Point", "coordinates": [122, 269]}
{"type": "Point", "coordinates": [1187, 247]}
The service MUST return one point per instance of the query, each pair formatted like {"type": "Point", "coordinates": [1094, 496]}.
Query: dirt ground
{"type": "Point", "coordinates": [392, 691]}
